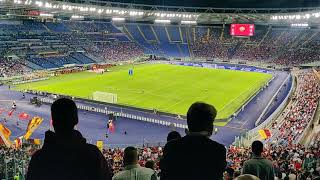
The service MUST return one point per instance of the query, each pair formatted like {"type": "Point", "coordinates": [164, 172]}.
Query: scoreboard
{"type": "Point", "coordinates": [242, 29]}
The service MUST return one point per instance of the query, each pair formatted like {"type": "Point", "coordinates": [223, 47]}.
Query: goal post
{"type": "Point", "coordinates": [105, 97]}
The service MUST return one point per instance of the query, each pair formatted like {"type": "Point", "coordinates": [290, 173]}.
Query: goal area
{"type": "Point", "coordinates": [105, 97]}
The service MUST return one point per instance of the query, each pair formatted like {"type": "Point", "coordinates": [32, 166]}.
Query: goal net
{"type": "Point", "coordinates": [105, 97]}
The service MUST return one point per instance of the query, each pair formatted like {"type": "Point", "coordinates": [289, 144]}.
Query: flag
{"type": "Point", "coordinates": [32, 126]}
{"type": "Point", "coordinates": [5, 135]}
{"type": "Point", "coordinates": [37, 141]}
{"type": "Point", "coordinates": [10, 113]}
{"type": "Point", "coordinates": [18, 142]}
{"type": "Point", "coordinates": [264, 133]}
{"type": "Point", "coordinates": [100, 145]}
{"type": "Point", "coordinates": [24, 116]}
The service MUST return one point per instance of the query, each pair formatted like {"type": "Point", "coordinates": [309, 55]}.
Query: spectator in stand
{"type": "Point", "coordinates": [133, 170]}
{"type": "Point", "coordinates": [258, 165]}
{"type": "Point", "coordinates": [150, 164]}
{"type": "Point", "coordinates": [65, 153]}
{"type": "Point", "coordinates": [195, 156]}
{"type": "Point", "coordinates": [229, 174]}
{"type": "Point", "coordinates": [236, 174]}
{"type": "Point", "coordinates": [173, 135]}
{"type": "Point", "coordinates": [247, 177]}
{"type": "Point", "coordinates": [279, 176]}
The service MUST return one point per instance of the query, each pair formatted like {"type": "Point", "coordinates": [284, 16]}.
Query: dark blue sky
{"type": "Point", "coordinates": [230, 3]}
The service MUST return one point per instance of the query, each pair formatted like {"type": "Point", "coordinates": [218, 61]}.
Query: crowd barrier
{"type": "Point", "coordinates": [28, 81]}
{"type": "Point", "coordinates": [124, 115]}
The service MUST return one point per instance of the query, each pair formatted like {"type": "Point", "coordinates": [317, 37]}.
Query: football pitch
{"type": "Point", "coordinates": [165, 87]}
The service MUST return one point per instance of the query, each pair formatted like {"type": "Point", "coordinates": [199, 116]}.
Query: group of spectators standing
{"type": "Point", "coordinates": [13, 162]}
{"type": "Point", "coordinates": [66, 155]}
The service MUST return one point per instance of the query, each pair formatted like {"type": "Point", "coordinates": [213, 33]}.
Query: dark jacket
{"type": "Point", "coordinates": [259, 167]}
{"type": "Point", "coordinates": [68, 158]}
{"type": "Point", "coordinates": [193, 158]}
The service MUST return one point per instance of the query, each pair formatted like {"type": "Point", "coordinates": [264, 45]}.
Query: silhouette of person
{"type": "Point", "coordinates": [195, 156]}
{"type": "Point", "coordinates": [65, 155]}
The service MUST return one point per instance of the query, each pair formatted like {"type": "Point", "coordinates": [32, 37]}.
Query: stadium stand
{"type": "Point", "coordinates": [28, 45]}
{"type": "Point", "coordinates": [107, 41]}
{"type": "Point", "coordinates": [288, 157]}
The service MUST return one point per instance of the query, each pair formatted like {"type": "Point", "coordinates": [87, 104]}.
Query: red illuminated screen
{"type": "Point", "coordinates": [242, 29]}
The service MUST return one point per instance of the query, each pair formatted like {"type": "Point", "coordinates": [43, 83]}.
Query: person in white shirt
{"type": "Point", "coordinates": [132, 170]}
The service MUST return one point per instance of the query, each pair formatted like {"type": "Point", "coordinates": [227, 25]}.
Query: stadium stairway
{"type": "Point", "coordinates": [232, 50]}
{"type": "Point", "coordinates": [95, 59]}
{"type": "Point", "coordinates": [33, 65]}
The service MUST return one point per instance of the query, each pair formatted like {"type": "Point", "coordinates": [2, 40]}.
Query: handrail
{"type": "Point", "coordinates": [308, 126]}
{"type": "Point", "coordinates": [125, 115]}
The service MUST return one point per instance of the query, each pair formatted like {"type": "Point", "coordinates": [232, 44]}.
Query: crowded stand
{"type": "Point", "coordinates": [107, 41]}
{"type": "Point", "coordinates": [13, 67]}
{"type": "Point", "coordinates": [289, 158]}
{"type": "Point", "coordinates": [301, 112]}
{"type": "Point", "coordinates": [79, 44]}
{"type": "Point", "coordinates": [116, 51]}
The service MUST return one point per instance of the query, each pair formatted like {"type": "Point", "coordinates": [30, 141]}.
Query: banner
{"type": "Point", "coordinates": [32, 126]}
{"type": "Point", "coordinates": [18, 142]}
{"type": "Point", "coordinates": [5, 135]}
{"type": "Point", "coordinates": [100, 145]}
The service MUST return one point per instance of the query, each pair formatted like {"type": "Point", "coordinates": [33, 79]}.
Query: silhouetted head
{"type": "Point", "coordinates": [130, 156]}
{"type": "Point", "coordinates": [150, 164]}
{"type": "Point", "coordinates": [64, 115]}
{"type": "Point", "coordinates": [200, 117]}
{"type": "Point", "coordinates": [247, 177]}
{"type": "Point", "coordinates": [257, 148]}
{"type": "Point", "coordinates": [173, 135]}
{"type": "Point", "coordinates": [236, 174]}
{"type": "Point", "coordinates": [230, 172]}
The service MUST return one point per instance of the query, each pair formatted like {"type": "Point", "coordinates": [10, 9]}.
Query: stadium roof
{"type": "Point", "coordinates": [227, 3]}
{"type": "Point", "coordinates": [149, 13]}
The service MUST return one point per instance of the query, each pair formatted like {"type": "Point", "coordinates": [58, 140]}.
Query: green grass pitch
{"type": "Point", "coordinates": [168, 88]}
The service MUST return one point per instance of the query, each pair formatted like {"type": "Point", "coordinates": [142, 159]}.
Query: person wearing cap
{"type": "Point", "coordinates": [195, 156]}
{"type": "Point", "coordinates": [65, 155]}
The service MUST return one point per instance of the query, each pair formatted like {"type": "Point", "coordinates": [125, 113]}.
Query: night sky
{"type": "Point", "coordinates": [230, 3]}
